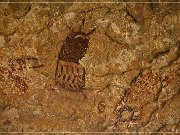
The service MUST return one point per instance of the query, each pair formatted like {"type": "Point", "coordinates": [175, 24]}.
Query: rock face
{"type": "Point", "coordinates": [132, 67]}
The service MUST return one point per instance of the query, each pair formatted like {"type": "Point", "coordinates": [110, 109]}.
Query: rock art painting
{"type": "Point", "coordinates": [107, 66]}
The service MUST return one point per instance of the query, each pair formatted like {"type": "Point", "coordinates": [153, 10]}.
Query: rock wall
{"type": "Point", "coordinates": [132, 67]}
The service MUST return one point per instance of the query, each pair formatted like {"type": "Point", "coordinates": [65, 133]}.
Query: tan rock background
{"type": "Point", "coordinates": [132, 67]}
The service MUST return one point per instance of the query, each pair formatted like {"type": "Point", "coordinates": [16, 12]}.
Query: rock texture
{"type": "Point", "coordinates": [132, 68]}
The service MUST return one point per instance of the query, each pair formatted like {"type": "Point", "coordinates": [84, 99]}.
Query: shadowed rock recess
{"type": "Point", "coordinates": [130, 71]}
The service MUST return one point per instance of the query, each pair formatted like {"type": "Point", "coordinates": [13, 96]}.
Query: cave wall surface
{"type": "Point", "coordinates": [132, 67]}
